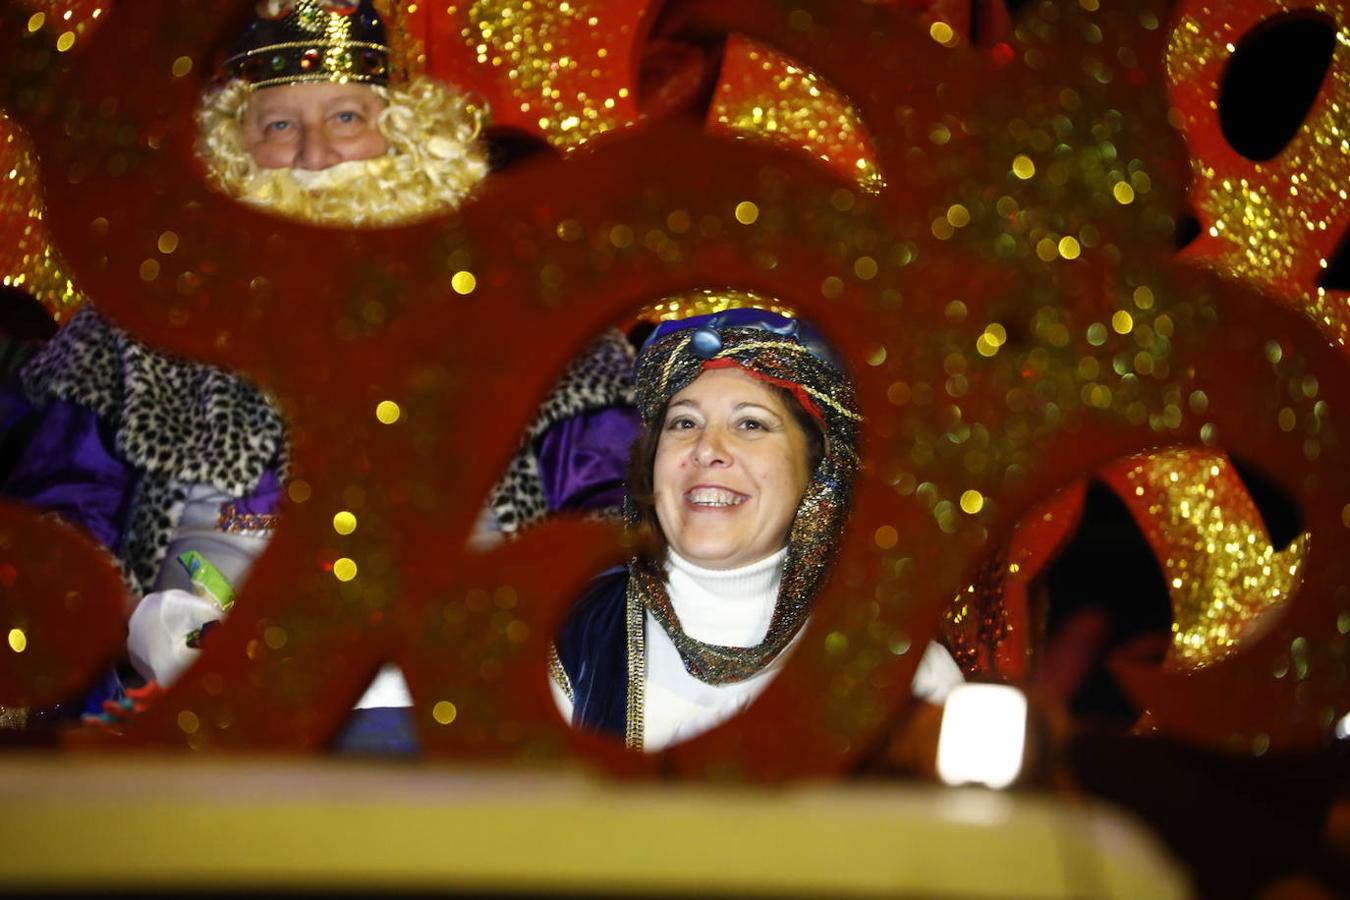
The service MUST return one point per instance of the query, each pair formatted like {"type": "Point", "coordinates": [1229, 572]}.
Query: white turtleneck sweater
{"type": "Point", "coordinates": [730, 607]}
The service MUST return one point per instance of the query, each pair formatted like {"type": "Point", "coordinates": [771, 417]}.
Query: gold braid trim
{"type": "Point", "coordinates": [635, 618]}
{"type": "Point", "coordinates": [670, 363]}
{"type": "Point", "coordinates": [558, 673]}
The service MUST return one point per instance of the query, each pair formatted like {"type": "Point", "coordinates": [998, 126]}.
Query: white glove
{"type": "Point", "coordinates": [159, 629]}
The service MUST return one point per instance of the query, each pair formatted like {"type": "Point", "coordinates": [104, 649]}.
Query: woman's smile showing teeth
{"type": "Point", "coordinates": [711, 497]}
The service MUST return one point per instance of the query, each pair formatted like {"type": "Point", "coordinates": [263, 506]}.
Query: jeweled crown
{"type": "Point", "coordinates": [299, 41]}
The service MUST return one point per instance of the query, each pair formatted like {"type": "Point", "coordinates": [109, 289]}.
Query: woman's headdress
{"type": "Point", "coordinates": [299, 41]}
{"type": "Point", "coordinates": [788, 354]}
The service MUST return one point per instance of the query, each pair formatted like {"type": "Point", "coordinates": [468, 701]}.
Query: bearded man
{"type": "Point", "coordinates": [127, 442]}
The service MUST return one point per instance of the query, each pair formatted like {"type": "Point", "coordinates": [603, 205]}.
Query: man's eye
{"type": "Point", "coordinates": [348, 118]}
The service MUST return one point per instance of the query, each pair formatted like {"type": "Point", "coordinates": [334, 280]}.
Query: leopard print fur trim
{"type": "Point", "coordinates": [175, 419]}
{"type": "Point", "coordinates": [601, 376]}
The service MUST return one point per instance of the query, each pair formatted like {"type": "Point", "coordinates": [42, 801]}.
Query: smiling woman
{"type": "Point", "coordinates": [730, 463]}
{"type": "Point", "coordinates": [743, 473]}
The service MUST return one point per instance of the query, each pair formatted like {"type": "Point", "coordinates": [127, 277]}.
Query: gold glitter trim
{"type": "Point", "coordinates": [765, 95]}
{"type": "Point", "coordinates": [295, 45]}
{"type": "Point", "coordinates": [311, 79]}
{"type": "Point", "coordinates": [1221, 570]}
{"type": "Point", "coordinates": [709, 302]}
{"type": "Point", "coordinates": [558, 60]}
{"type": "Point", "coordinates": [558, 673]}
{"type": "Point", "coordinates": [635, 616]}
{"type": "Point", "coordinates": [28, 260]}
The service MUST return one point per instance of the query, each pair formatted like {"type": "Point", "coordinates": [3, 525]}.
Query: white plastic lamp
{"type": "Point", "coordinates": [984, 732]}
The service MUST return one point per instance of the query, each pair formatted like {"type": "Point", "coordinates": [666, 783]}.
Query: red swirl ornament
{"type": "Point", "coordinates": [60, 620]}
{"type": "Point", "coordinates": [1275, 223]}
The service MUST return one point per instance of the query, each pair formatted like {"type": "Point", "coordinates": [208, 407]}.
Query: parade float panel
{"type": "Point", "coordinates": [1015, 319]}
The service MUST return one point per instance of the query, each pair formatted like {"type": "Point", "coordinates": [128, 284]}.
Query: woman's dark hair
{"type": "Point", "coordinates": [642, 459]}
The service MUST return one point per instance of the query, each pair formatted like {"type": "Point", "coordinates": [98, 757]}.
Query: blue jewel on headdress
{"type": "Point", "coordinates": [706, 342]}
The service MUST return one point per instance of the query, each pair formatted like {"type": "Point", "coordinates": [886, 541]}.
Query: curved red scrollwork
{"type": "Point", "coordinates": [53, 582]}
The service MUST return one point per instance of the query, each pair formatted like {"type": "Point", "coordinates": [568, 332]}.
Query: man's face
{"type": "Point", "coordinates": [313, 126]}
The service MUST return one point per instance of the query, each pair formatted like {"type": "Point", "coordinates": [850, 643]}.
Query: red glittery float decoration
{"type": "Point", "coordinates": [282, 303]}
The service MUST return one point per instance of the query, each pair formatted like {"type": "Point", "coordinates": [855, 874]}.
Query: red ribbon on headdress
{"type": "Point", "coordinates": [792, 387]}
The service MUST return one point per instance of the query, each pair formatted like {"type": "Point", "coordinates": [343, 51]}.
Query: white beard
{"type": "Point", "coordinates": [385, 190]}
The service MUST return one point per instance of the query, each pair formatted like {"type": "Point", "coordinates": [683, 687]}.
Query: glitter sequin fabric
{"type": "Point", "coordinates": [300, 41]}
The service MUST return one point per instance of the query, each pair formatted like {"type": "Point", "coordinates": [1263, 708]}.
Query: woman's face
{"type": "Point", "coordinates": [730, 470]}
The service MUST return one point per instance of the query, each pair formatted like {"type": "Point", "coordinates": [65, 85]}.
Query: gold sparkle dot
{"type": "Point", "coordinates": [1047, 249]}
{"type": "Point", "coordinates": [1287, 419]}
{"type": "Point", "coordinates": [876, 356]}
{"type": "Point", "coordinates": [958, 215]}
{"type": "Point", "coordinates": [832, 287]}
{"type": "Point", "coordinates": [1023, 167]}
{"type": "Point", "coordinates": [621, 236]}
{"type": "Point", "coordinates": [747, 213]}
{"type": "Point", "coordinates": [168, 242]}
{"type": "Point", "coordinates": [972, 502]}
{"type": "Point", "coordinates": [1069, 248]}
{"type": "Point", "coordinates": [942, 33]}
{"type": "Point", "coordinates": [275, 637]}
{"type": "Point", "coordinates": [188, 722]}
{"type": "Point", "coordinates": [463, 282]}
{"type": "Point", "coordinates": [18, 641]}
{"type": "Point", "coordinates": [181, 66]}
{"type": "Point", "coordinates": [1123, 193]}
{"type": "Point", "coordinates": [1096, 334]}
{"type": "Point", "coordinates": [865, 267]}
{"type": "Point", "coordinates": [387, 412]}
{"type": "Point", "coordinates": [36, 21]}
{"type": "Point", "coordinates": [149, 270]}
{"type": "Point", "coordinates": [65, 41]}
{"type": "Point", "coordinates": [1143, 297]}
{"type": "Point", "coordinates": [569, 230]}
{"type": "Point", "coordinates": [1345, 520]}
{"type": "Point", "coordinates": [344, 569]}
{"type": "Point", "coordinates": [985, 345]}
{"type": "Point", "coordinates": [444, 712]}
{"type": "Point", "coordinates": [344, 522]}
{"type": "Point", "coordinates": [1122, 322]}
{"type": "Point", "coordinates": [997, 333]}
{"type": "Point", "coordinates": [886, 537]}
{"type": "Point", "coordinates": [299, 491]}
{"type": "Point", "coordinates": [942, 229]}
